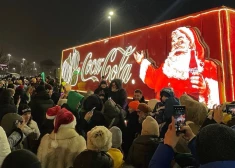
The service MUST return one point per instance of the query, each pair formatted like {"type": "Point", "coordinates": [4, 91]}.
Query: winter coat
{"type": "Point", "coordinates": [113, 116]}
{"type": "Point", "coordinates": [32, 127]}
{"type": "Point", "coordinates": [164, 154]}
{"type": "Point", "coordinates": [117, 157]}
{"type": "Point", "coordinates": [132, 130]}
{"type": "Point", "coordinates": [96, 120]}
{"type": "Point", "coordinates": [142, 150]}
{"type": "Point", "coordinates": [7, 108]}
{"type": "Point", "coordinates": [70, 144]}
{"type": "Point", "coordinates": [93, 159]}
{"type": "Point", "coordinates": [39, 105]}
{"type": "Point", "coordinates": [4, 147]}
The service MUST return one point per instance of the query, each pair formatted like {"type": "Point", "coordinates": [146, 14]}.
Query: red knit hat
{"type": "Point", "coordinates": [134, 105]}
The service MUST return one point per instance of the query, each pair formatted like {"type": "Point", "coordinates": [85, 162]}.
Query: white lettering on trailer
{"type": "Point", "coordinates": [91, 69]}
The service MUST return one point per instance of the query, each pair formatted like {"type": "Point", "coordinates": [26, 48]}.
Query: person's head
{"type": "Point", "coordinates": [25, 111]}
{"type": "Point", "coordinates": [29, 90]}
{"type": "Point", "coordinates": [116, 137]}
{"type": "Point", "coordinates": [143, 111]}
{"type": "Point", "coordinates": [67, 88]}
{"type": "Point", "coordinates": [115, 85]}
{"type": "Point", "coordinates": [150, 127]}
{"type": "Point", "coordinates": [21, 159]}
{"type": "Point", "coordinates": [49, 89]}
{"type": "Point", "coordinates": [138, 94]}
{"type": "Point", "coordinates": [165, 94]}
{"type": "Point", "coordinates": [103, 84]}
{"type": "Point", "coordinates": [93, 101]}
{"type": "Point", "coordinates": [133, 106]}
{"type": "Point", "coordinates": [12, 91]}
{"type": "Point", "coordinates": [215, 142]}
{"type": "Point", "coordinates": [99, 138]}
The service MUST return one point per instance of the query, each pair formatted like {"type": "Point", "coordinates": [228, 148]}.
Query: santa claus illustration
{"type": "Point", "coordinates": [185, 69]}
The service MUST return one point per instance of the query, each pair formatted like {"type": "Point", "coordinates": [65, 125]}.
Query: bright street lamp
{"type": "Point", "coordinates": [34, 64]}
{"type": "Point", "coordinates": [23, 60]}
{"type": "Point", "coordinates": [111, 13]}
{"type": "Point", "coordinates": [14, 69]}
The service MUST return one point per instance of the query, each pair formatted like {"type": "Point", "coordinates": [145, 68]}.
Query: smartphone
{"type": "Point", "coordinates": [179, 117]}
{"type": "Point", "coordinates": [92, 110]}
{"type": "Point", "coordinates": [230, 109]}
{"type": "Point", "coordinates": [18, 121]}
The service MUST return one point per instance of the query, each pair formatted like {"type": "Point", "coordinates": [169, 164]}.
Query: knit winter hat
{"type": "Point", "coordinates": [23, 108]}
{"type": "Point", "coordinates": [144, 108]}
{"type": "Point", "coordinates": [215, 142]}
{"type": "Point", "coordinates": [134, 105]}
{"type": "Point", "coordinates": [116, 137]}
{"type": "Point", "coordinates": [99, 139]}
{"type": "Point", "coordinates": [150, 126]}
{"type": "Point", "coordinates": [62, 118]}
{"type": "Point", "coordinates": [74, 98]}
{"type": "Point", "coordinates": [21, 159]}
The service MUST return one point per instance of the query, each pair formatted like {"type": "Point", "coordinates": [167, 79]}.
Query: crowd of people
{"type": "Point", "coordinates": [44, 124]}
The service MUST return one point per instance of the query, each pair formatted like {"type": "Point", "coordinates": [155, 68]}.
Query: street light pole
{"type": "Point", "coordinates": [9, 55]}
{"type": "Point", "coordinates": [110, 26]}
{"type": "Point", "coordinates": [110, 23]}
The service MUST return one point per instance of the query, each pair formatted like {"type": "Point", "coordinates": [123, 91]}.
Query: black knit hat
{"type": "Point", "coordinates": [23, 108]}
{"type": "Point", "coordinates": [21, 159]}
{"type": "Point", "coordinates": [215, 142]}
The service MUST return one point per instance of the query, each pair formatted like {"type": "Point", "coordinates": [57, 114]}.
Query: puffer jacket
{"type": "Point", "coordinates": [142, 150]}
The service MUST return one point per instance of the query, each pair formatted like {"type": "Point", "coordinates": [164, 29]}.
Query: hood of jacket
{"type": "Point", "coordinates": [91, 102]}
{"type": "Point", "coordinates": [74, 98]}
{"type": "Point", "coordinates": [118, 83]}
{"type": "Point", "coordinates": [110, 109]}
{"type": "Point", "coordinates": [117, 157]}
{"type": "Point", "coordinates": [43, 95]}
{"type": "Point", "coordinates": [8, 122]}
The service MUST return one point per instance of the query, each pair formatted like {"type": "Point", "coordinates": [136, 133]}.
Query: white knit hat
{"type": "Point", "coordinates": [150, 126]}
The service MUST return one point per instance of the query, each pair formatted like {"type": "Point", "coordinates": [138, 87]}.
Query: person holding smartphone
{"type": "Point", "coordinates": [92, 115]}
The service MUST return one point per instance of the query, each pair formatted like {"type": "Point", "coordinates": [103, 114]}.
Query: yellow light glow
{"type": "Point", "coordinates": [111, 13]}
{"type": "Point", "coordinates": [158, 25]}
{"type": "Point", "coordinates": [222, 55]}
{"type": "Point", "coordinates": [230, 54]}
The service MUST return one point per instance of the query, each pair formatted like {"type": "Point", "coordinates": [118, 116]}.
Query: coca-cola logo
{"type": "Point", "coordinates": [94, 69]}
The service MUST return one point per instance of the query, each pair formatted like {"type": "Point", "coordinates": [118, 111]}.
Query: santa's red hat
{"type": "Point", "coordinates": [62, 118]}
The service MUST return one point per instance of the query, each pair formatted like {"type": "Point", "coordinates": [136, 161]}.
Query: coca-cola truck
{"type": "Point", "coordinates": [193, 54]}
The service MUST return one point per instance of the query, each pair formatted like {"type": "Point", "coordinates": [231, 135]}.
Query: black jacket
{"type": "Point", "coordinates": [93, 159]}
{"type": "Point", "coordinates": [39, 105]}
{"type": "Point", "coordinates": [7, 108]}
{"type": "Point", "coordinates": [142, 150]}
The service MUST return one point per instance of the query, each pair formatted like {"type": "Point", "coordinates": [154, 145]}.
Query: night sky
{"type": "Point", "coordinates": [41, 29]}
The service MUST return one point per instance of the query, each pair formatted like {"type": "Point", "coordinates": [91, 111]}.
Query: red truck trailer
{"type": "Point", "coordinates": [193, 54]}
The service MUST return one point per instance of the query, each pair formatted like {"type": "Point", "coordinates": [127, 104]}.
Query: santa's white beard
{"type": "Point", "coordinates": [177, 66]}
